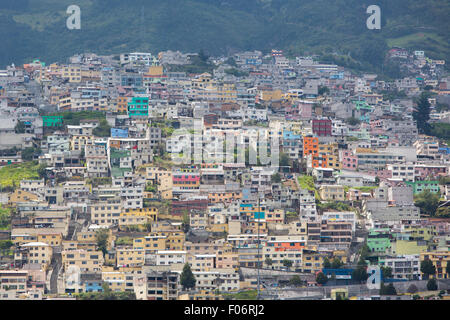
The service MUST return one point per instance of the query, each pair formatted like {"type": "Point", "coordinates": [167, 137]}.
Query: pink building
{"type": "Point", "coordinates": [424, 170]}
{"type": "Point", "coordinates": [305, 110]}
{"type": "Point", "coordinates": [382, 174]}
{"type": "Point", "coordinates": [348, 160]}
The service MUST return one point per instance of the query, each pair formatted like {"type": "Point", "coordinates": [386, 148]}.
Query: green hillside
{"type": "Point", "coordinates": [37, 28]}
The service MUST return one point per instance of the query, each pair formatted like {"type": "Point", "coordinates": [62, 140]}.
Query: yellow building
{"type": "Point", "coordinates": [160, 241]}
{"type": "Point", "coordinates": [50, 238]}
{"type": "Point", "coordinates": [35, 252]}
{"type": "Point", "coordinates": [106, 213]}
{"type": "Point", "coordinates": [79, 142]}
{"type": "Point", "coordinates": [312, 260]}
{"type": "Point", "coordinates": [130, 257]}
{"type": "Point", "coordinates": [89, 261]}
{"type": "Point", "coordinates": [405, 247]}
{"type": "Point", "coordinates": [72, 73]}
{"type": "Point", "coordinates": [134, 217]}
{"type": "Point", "coordinates": [65, 101]}
{"type": "Point", "coordinates": [201, 295]}
{"type": "Point", "coordinates": [271, 95]}
{"type": "Point", "coordinates": [114, 278]}
{"type": "Point", "coordinates": [339, 294]}
{"type": "Point", "coordinates": [217, 228]}
{"type": "Point", "coordinates": [440, 260]}
{"type": "Point", "coordinates": [216, 197]}
{"type": "Point", "coordinates": [332, 192]}
{"type": "Point", "coordinates": [201, 81]}
{"type": "Point", "coordinates": [21, 196]}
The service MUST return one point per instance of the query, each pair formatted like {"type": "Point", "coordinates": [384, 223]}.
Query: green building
{"type": "Point", "coordinates": [379, 240]}
{"type": "Point", "coordinates": [138, 107]}
{"type": "Point", "coordinates": [52, 121]}
{"type": "Point", "coordinates": [120, 162]}
{"type": "Point", "coordinates": [419, 186]}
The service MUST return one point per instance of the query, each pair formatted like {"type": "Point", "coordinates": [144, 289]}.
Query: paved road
{"type": "Point", "coordinates": [56, 266]}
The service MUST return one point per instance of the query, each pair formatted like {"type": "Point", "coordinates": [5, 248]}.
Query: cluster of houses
{"type": "Point", "coordinates": [114, 204]}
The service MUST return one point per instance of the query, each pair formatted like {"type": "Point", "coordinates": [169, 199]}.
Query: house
{"type": "Point", "coordinates": [331, 192]}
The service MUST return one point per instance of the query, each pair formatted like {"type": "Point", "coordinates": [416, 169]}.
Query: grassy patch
{"type": "Point", "coordinates": [307, 182]}
{"type": "Point", "coordinates": [11, 175]}
{"type": "Point", "coordinates": [124, 241]}
{"type": "Point", "coordinates": [5, 218]}
{"type": "Point", "coordinates": [365, 189]}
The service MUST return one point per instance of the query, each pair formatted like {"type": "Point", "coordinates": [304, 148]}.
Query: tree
{"type": "Point", "coordinates": [336, 263]}
{"type": "Point", "coordinates": [20, 127]}
{"type": "Point", "coordinates": [203, 56]}
{"type": "Point", "coordinates": [269, 261]}
{"type": "Point", "coordinates": [326, 263]}
{"type": "Point", "coordinates": [412, 289]}
{"type": "Point", "coordinates": [186, 221]}
{"type": "Point", "coordinates": [187, 278]}
{"type": "Point", "coordinates": [42, 171]}
{"type": "Point", "coordinates": [276, 178]}
{"type": "Point", "coordinates": [432, 285]}
{"type": "Point", "coordinates": [363, 254]}
{"type": "Point", "coordinates": [284, 159]}
{"type": "Point", "coordinates": [103, 129]}
{"type": "Point", "coordinates": [296, 281]}
{"type": "Point", "coordinates": [102, 236]}
{"type": "Point", "coordinates": [427, 268]}
{"type": "Point", "coordinates": [386, 272]}
{"type": "Point", "coordinates": [321, 278]}
{"type": "Point", "coordinates": [287, 263]}
{"type": "Point", "coordinates": [353, 121]}
{"type": "Point", "coordinates": [323, 90]}
{"type": "Point", "coordinates": [428, 202]}
{"type": "Point", "coordinates": [387, 290]}
{"type": "Point", "coordinates": [230, 61]}
{"type": "Point", "coordinates": [360, 274]}
{"type": "Point", "coordinates": [362, 261]}
{"type": "Point", "coordinates": [28, 153]}
{"type": "Point", "coordinates": [422, 113]}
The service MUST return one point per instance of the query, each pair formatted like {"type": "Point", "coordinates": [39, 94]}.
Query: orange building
{"type": "Point", "coordinates": [122, 104]}
{"type": "Point", "coordinates": [216, 197]}
{"type": "Point", "coordinates": [310, 146]}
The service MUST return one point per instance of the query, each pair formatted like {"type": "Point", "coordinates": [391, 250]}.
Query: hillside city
{"type": "Point", "coordinates": [118, 180]}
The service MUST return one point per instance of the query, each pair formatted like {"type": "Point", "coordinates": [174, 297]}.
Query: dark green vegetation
{"type": "Point", "coordinates": [388, 290]}
{"type": "Point", "coordinates": [5, 218]}
{"type": "Point", "coordinates": [321, 278]}
{"type": "Point", "coordinates": [187, 278]}
{"type": "Point", "coordinates": [74, 118]}
{"type": "Point", "coordinates": [198, 64]}
{"type": "Point", "coordinates": [427, 268]}
{"type": "Point", "coordinates": [37, 28]}
{"type": "Point", "coordinates": [422, 113]}
{"type": "Point", "coordinates": [103, 129]}
{"type": "Point", "coordinates": [441, 131]}
{"type": "Point", "coordinates": [102, 240]}
{"type": "Point", "coordinates": [428, 202]}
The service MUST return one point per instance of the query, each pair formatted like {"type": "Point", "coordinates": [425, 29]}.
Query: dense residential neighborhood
{"type": "Point", "coordinates": [183, 176]}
